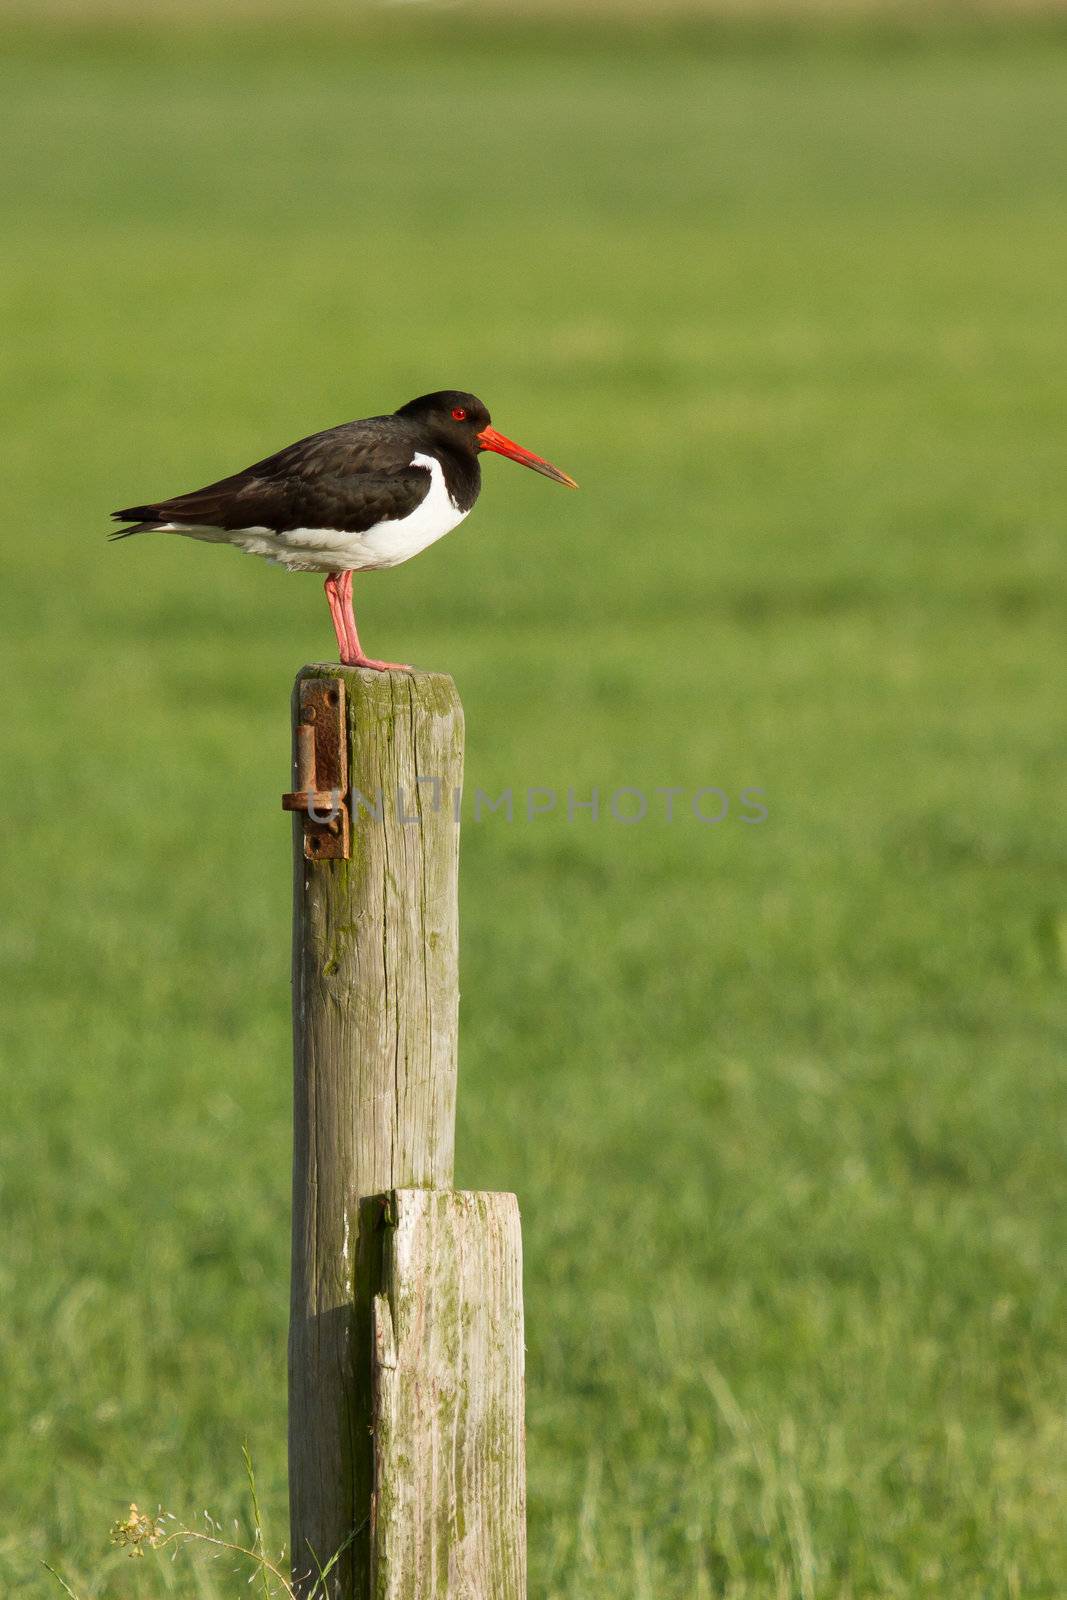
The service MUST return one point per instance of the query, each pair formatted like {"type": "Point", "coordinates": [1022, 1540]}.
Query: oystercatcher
{"type": "Point", "coordinates": [354, 498]}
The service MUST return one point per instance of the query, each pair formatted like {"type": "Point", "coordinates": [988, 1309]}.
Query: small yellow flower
{"type": "Point", "coordinates": [137, 1531]}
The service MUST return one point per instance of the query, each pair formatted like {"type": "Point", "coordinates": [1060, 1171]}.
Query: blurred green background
{"type": "Point", "coordinates": [784, 1105]}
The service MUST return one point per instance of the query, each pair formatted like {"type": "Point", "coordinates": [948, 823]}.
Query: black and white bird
{"type": "Point", "coordinates": [355, 498]}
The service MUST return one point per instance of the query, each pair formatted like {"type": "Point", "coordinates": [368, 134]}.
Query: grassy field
{"type": "Point", "coordinates": [784, 1104]}
{"type": "Point", "coordinates": [357, 16]}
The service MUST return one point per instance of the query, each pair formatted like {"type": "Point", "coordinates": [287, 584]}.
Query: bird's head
{"type": "Point", "coordinates": [461, 422]}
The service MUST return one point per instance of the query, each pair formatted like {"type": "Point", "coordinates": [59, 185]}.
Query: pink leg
{"type": "Point", "coordinates": [339, 594]}
{"type": "Point", "coordinates": [337, 612]}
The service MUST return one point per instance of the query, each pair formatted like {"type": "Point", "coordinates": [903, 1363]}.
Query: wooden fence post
{"type": "Point", "coordinates": [375, 1009]}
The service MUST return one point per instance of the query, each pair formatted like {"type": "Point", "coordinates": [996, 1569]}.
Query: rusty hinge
{"type": "Point", "coordinates": [322, 770]}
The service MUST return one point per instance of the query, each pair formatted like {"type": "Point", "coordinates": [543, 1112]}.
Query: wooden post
{"type": "Point", "coordinates": [375, 1007]}
{"type": "Point", "coordinates": [450, 1485]}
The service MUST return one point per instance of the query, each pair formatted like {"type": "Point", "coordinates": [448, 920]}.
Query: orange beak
{"type": "Point", "coordinates": [489, 439]}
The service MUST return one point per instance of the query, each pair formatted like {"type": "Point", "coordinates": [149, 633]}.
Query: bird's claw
{"type": "Point", "coordinates": [378, 666]}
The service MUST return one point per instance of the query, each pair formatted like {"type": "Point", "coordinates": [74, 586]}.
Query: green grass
{"type": "Point", "coordinates": [783, 1105]}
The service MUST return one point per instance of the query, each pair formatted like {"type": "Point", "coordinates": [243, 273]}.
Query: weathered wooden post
{"type": "Point", "coordinates": [406, 1443]}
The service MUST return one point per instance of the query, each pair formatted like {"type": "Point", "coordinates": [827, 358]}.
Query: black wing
{"type": "Point", "coordinates": [348, 478]}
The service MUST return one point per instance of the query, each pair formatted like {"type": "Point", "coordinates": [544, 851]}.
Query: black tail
{"type": "Point", "coordinates": [144, 516]}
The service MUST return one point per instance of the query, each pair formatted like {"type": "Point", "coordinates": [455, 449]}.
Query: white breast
{"type": "Point", "coordinates": [387, 544]}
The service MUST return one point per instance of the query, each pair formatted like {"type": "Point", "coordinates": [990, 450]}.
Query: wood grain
{"type": "Point", "coordinates": [449, 1520]}
{"type": "Point", "coordinates": [375, 1003]}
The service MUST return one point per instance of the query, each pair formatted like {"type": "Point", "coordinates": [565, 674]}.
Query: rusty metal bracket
{"type": "Point", "coordinates": [321, 758]}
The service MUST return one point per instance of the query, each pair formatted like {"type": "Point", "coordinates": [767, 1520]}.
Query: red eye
{"type": "Point", "coordinates": [459, 414]}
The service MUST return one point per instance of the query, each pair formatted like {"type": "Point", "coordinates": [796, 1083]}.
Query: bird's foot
{"type": "Point", "coordinates": [377, 666]}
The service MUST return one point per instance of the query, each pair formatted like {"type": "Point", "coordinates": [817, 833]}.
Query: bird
{"type": "Point", "coordinates": [355, 498]}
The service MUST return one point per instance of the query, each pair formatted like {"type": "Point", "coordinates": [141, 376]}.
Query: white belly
{"type": "Point", "coordinates": [387, 544]}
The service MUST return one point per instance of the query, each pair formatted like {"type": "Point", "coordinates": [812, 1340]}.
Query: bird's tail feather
{"type": "Point", "coordinates": [140, 527]}
{"type": "Point", "coordinates": [144, 517]}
